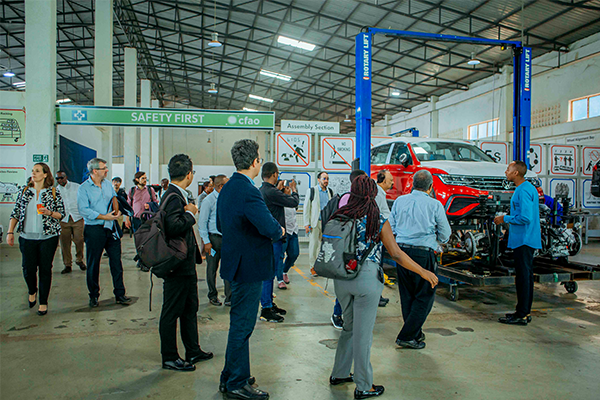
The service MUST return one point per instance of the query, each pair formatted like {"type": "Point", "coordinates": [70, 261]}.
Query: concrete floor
{"type": "Point", "coordinates": [112, 352]}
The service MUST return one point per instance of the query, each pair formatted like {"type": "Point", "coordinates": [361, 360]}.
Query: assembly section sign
{"type": "Point", "coordinates": [163, 117]}
{"type": "Point", "coordinates": [293, 149]}
{"type": "Point", "coordinates": [310, 126]}
{"type": "Point", "coordinates": [337, 153]}
{"type": "Point", "coordinates": [563, 160]}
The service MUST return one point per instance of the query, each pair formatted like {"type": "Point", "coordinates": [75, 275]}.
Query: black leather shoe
{"type": "Point", "coordinates": [81, 265]}
{"type": "Point", "coordinates": [42, 313]}
{"type": "Point", "coordinates": [123, 300]}
{"type": "Point", "coordinates": [32, 303]}
{"type": "Point", "coordinates": [421, 337]}
{"type": "Point", "coordinates": [67, 270]}
{"type": "Point", "coordinates": [223, 385]}
{"type": "Point", "coordinates": [338, 381]}
{"type": "Point", "coordinates": [247, 392]}
{"type": "Point", "coordinates": [515, 314]}
{"type": "Point", "coordinates": [269, 315]}
{"type": "Point", "coordinates": [513, 320]}
{"type": "Point", "coordinates": [377, 391]}
{"type": "Point", "coordinates": [278, 310]}
{"type": "Point", "coordinates": [179, 365]}
{"type": "Point", "coordinates": [215, 302]}
{"type": "Point", "coordinates": [94, 302]}
{"type": "Point", "coordinates": [204, 355]}
{"type": "Point", "coordinates": [411, 344]}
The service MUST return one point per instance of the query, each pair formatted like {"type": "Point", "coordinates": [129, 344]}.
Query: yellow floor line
{"type": "Point", "coordinates": [310, 280]}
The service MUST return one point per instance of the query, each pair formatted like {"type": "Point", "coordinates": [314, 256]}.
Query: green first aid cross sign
{"type": "Point", "coordinates": [164, 117]}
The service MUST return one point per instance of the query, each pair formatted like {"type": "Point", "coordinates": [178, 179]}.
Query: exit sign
{"type": "Point", "coordinates": [40, 158]}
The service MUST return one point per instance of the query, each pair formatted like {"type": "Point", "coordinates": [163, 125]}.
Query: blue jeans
{"type": "Point", "coordinates": [266, 299]}
{"type": "Point", "coordinates": [337, 309]}
{"type": "Point", "coordinates": [242, 319]}
{"type": "Point", "coordinates": [292, 249]}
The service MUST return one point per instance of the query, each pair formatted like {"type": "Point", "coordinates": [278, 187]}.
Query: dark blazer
{"type": "Point", "coordinates": [179, 223]}
{"type": "Point", "coordinates": [248, 230]}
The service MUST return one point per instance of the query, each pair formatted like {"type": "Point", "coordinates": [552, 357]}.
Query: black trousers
{"type": "Point", "coordinates": [97, 239]}
{"type": "Point", "coordinates": [37, 257]}
{"type": "Point", "coordinates": [211, 269]}
{"type": "Point", "coordinates": [180, 301]}
{"type": "Point", "coordinates": [416, 294]}
{"type": "Point", "coordinates": [524, 279]}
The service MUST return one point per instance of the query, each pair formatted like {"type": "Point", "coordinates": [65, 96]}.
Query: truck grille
{"type": "Point", "coordinates": [478, 182]}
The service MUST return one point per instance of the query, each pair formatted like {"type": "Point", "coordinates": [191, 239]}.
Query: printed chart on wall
{"type": "Point", "coordinates": [563, 188]}
{"type": "Point", "coordinates": [11, 178]}
{"type": "Point", "coordinates": [303, 181]}
{"type": "Point", "coordinates": [339, 182]}
{"type": "Point", "coordinates": [591, 155]}
{"type": "Point", "coordinates": [536, 158]}
{"type": "Point", "coordinates": [497, 150]}
{"type": "Point", "coordinates": [588, 199]}
{"type": "Point", "coordinates": [337, 153]}
{"type": "Point", "coordinates": [563, 160]}
{"type": "Point", "coordinates": [12, 127]}
{"type": "Point", "coordinates": [293, 149]}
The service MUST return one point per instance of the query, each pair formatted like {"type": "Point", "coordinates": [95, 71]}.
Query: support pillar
{"type": "Point", "coordinates": [40, 39]}
{"type": "Point", "coordinates": [145, 132]}
{"type": "Point", "coordinates": [434, 123]}
{"type": "Point", "coordinates": [129, 136]}
{"type": "Point", "coordinates": [155, 166]}
{"type": "Point", "coordinates": [103, 71]}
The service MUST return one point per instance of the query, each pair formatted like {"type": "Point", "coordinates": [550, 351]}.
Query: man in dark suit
{"type": "Point", "coordinates": [180, 295]}
{"type": "Point", "coordinates": [248, 230]}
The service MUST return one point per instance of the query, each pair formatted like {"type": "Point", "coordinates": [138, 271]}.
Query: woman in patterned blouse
{"type": "Point", "coordinates": [36, 216]}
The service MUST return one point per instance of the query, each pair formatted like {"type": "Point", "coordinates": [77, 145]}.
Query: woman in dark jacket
{"type": "Point", "coordinates": [359, 297]}
{"type": "Point", "coordinates": [36, 216]}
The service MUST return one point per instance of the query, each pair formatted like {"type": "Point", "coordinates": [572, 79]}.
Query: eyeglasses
{"type": "Point", "coordinates": [102, 169]}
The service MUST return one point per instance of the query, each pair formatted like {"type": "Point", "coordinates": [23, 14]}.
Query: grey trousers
{"type": "Point", "coordinates": [359, 299]}
{"type": "Point", "coordinates": [211, 269]}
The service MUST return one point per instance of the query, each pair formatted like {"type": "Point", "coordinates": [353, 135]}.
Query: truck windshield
{"type": "Point", "coordinates": [437, 151]}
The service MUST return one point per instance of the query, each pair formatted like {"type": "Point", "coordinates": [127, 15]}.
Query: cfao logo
{"type": "Point", "coordinates": [506, 184]}
{"type": "Point", "coordinates": [80, 115]}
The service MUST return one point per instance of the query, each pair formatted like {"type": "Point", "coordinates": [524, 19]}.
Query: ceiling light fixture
{"type": "Point", "coordinates": [473, 60]}
{"type": "Point", "coordinates": [249, 109]}
{"type": "Point", "coordinates": [215, 40]}
{"type": "Point", "coordinates": [275, 75]}
{"type": "Point", "coordinates": [65, 100]}
{"type": "Point", "coordinates": [213, 89]}
{"type": "Point", "coordinates": [296, 43]}
{"type": "Point", "coordinates": [255, 97]}
{"type": "Point", "coordinates": [19, 84]}
{"type": "Point", "coordinates": [395, 93]}
{"type": "Point", "coordinates": [9, 74]}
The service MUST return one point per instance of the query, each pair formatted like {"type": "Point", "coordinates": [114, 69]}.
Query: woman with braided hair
{"type": "Point", "coordinates": [359, 297]}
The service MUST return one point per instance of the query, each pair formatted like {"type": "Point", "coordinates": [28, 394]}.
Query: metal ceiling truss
{"type": "Point", "coordinates": [171, 38]}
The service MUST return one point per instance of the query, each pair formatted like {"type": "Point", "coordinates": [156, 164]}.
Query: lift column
{"type": "Point", "coordinates": [522, 103]}
{"type": "Point", "coordinates": [363, 101]}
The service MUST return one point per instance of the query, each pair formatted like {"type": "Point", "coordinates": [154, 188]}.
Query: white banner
{"type": "Point", "coordinates": [310, 126]}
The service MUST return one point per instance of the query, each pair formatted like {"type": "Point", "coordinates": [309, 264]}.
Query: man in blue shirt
{"type": "Point", "coordinates": [212, 238]}
{"type": "Point", "coordinates": [419, 222]}
{"type": "Point", "coordinates": [524, 237]}
{"type": "Point", "coordinates": [97, 203]}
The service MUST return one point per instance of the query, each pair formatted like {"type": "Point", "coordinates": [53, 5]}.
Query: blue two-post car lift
{"type": "Point", "coordinates": [522, 88]}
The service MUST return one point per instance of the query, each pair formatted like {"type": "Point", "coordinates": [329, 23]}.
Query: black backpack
{"type": "Point", "coordinates": [312, 193]}
{"type": "Point", "coordinates": [155, 250]}
{"type": "Point", "coordinates": [331, 207]}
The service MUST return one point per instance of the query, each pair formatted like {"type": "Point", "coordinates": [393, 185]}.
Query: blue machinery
{"type": "Point", "coordinates": [521, 92]}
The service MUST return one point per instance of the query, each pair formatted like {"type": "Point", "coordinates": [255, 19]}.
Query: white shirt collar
{"type": "Point", "coordinates": [184, 192]}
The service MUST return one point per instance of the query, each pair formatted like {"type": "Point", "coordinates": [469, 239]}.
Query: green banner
{"type": "Point", "coordinates": [164, 117]}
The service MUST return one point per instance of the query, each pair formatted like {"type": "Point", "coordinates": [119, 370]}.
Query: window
{"type": "Point", "coordinates": [483, 130]}
{"type": "Point", "coordinates": [440, 151]}
{"type": "Point", "coordinates": [379, 154]}
{"type": "Point", "coordinates": [399, 149]}
{"type": "Point", "coordinates": [584, 107]}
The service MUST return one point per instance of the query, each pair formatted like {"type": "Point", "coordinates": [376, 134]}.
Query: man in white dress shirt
{"type": "Point", "coordinates": [71, 225]}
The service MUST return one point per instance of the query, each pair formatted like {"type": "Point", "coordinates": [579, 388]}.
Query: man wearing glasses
{"type": "Point", "coordinates": [97, 202]}
{"type": "Point", "coordinates": [248, 230]}
{"type": "Point", "coordinates": [71, 225]}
